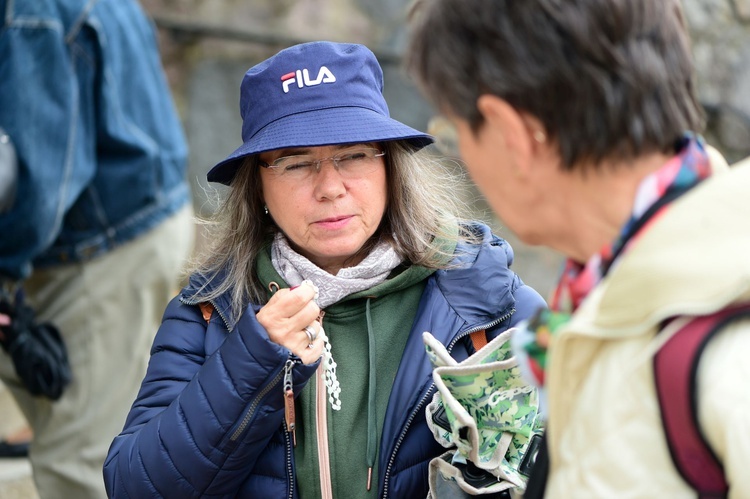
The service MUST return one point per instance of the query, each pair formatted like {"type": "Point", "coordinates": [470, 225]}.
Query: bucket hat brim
{"type": "Point", "coordinates": [349, 125]}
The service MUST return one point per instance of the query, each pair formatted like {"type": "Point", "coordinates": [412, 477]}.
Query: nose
{"type": "Point", "coordinates": [328, 183]}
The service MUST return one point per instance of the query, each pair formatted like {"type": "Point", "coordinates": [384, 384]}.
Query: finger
{"type": "Point", "coordinates": [309, 352]}
{"type": "Point", "coordinates": [304, 317]}
{"type": "Point", "coordinates": [312, 331]}
{"type": "Point", "coordinates": [287, 302]}
{"type": "Point", "coordinates": [286, 331]}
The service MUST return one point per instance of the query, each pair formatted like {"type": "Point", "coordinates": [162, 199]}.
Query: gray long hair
{"type": "Point", "coordinates": [422, 205]}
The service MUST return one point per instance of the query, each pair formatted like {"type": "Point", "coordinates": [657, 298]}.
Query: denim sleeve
{"type": "Point", "coordinates": [40, 109]}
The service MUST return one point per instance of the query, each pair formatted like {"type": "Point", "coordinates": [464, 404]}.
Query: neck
{"type": "Point", "coordinates": [600, 202]}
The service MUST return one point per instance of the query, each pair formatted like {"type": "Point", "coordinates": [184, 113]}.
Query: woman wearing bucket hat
{"type": "Point", "coordinates": [292, 365]}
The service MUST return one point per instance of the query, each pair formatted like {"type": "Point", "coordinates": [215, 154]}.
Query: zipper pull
{"type": "Point", "coordinates": [291, 424]}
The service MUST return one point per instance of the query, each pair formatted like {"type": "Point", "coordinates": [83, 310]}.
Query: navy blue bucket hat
{"type": "Point", "coordinates": [314, 94]}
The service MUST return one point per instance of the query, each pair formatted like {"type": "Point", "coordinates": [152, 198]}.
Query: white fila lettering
{"type": "Point", "coordinates": [302, 78]}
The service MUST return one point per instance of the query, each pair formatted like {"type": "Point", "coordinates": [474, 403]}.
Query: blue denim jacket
{"type": "Point", "coordinates": [102, 154]}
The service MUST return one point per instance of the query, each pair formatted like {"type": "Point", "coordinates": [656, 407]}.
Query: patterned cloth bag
{"type": "Point", "coordinates": [485, 411]}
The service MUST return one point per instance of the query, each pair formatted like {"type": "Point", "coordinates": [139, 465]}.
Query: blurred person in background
{"type": "Point", "coordinates": [578, 120]}
{"type": "Point", "coordinates": [339, 237]}
{"type": "Point", "coordinates": [95, 237]}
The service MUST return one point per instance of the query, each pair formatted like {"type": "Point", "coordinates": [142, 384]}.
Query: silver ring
{"type": "Point", "coordinates": [311, 335]}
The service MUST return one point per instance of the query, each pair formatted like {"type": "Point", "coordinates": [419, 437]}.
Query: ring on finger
{"type": "Point", "coordinates": [311, 335]}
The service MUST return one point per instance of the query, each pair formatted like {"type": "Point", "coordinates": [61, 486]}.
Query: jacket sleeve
{"type": "Point", "coordinates": [200, 422]}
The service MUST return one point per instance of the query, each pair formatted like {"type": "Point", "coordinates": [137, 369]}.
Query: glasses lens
{"type": "Point", "coordinates": [357, 162]}
{"type": "Point", "coordinates": [294, 167]}
{"type": "Point", "coordinates": [350, 163]}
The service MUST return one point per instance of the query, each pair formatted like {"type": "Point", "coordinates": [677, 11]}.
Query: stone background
{"type": "Point", "coordinates": [208, 45]}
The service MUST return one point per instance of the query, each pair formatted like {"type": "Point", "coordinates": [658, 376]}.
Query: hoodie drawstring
{"type": "Point", "coordinates": [372, 431]}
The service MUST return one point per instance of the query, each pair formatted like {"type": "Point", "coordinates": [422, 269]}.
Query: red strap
{"type": "Point", "coordinates": [479, 339]}
{"type": "Point", "coordinates": [675, 368]}
{"type": "Point", "coordinates": [206, 309]}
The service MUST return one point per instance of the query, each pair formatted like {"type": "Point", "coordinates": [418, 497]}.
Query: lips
{"type": "Point", "coordinates": [334, 222]}
{"type": "Point", "coordinates": [334, 219]}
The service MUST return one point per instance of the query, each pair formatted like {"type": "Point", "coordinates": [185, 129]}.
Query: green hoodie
{"type": "Point", "coordinates": [392, 308]}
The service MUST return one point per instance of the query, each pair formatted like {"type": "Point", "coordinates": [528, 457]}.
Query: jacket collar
{"type": "Point", "coordinates": [206, 283]}
{"type": "Point", "coordinates": [482, 269]}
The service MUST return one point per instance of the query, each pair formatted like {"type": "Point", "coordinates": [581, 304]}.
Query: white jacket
{"type": "Point", "coordinates": [605, 432]}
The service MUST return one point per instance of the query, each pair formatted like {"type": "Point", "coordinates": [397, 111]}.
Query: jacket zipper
{"type": "Point", "coordinates": [287, 373]}
{"type": "Point", "coordinates": [256, 401]}
{"type": "Point", "coordinates": [429, 393]}
{"type": "Point", "coordinates": [289, 414]}
{"type": "Point", "coordinates": [213, 304]}
{"type": "Point", "coordinates": [479, 328]}
{"type": "Point", "coordinates": [289, 467]}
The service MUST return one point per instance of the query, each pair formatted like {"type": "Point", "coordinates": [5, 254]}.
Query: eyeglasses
{"type": "Point", "coordinates": [350, 163]}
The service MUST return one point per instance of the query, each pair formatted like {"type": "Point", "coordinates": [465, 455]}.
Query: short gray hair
{"type": "Point", "coordinates": [609, 79]}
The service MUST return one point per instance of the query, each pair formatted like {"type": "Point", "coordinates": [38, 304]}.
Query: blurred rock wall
{"type": "Point", "coordinates": [721, 45]}
{"type": "Point", "coordinates": [207, 46]}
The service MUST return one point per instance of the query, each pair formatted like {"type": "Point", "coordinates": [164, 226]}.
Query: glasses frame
{"type": "Point", "coordinates": [318, 162]}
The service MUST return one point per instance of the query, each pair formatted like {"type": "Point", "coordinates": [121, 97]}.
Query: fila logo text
{"type": "Point", "coordinates": [302, 78]}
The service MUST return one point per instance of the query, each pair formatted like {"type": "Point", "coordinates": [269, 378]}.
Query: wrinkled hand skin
{"type": "Point", "coordinates": [285, 316]}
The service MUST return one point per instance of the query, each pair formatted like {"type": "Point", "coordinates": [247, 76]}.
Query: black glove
{"type": "Point", "coordinates": [38, 352]}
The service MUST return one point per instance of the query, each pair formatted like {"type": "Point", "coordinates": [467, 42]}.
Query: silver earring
{"type": "Point", "coordinates": [265, 209]}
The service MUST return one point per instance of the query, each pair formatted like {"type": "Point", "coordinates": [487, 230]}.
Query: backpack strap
{"type": "Point", "coordinates": [206, 309]}
{"type": "Point", "coordinates": [675, 372]}
{"type": "Point", "coordinates": [478, 339]}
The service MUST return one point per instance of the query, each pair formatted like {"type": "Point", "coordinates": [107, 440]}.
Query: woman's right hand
{"type": "Point", "coordinates": [285, 317]}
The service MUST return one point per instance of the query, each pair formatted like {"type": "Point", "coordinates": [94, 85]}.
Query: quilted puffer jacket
{"type": "Point", "coordinates": [209, 418]}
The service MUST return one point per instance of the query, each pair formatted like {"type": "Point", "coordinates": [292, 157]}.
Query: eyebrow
{"type": "Point", "coordinates": [299, 151]}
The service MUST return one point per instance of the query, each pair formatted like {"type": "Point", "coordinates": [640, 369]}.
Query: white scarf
{"type": "Point", "coordinates": [295, 268]}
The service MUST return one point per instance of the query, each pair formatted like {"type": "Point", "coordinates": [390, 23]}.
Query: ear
{"type": "Point", "coordinates": [513, 128]}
